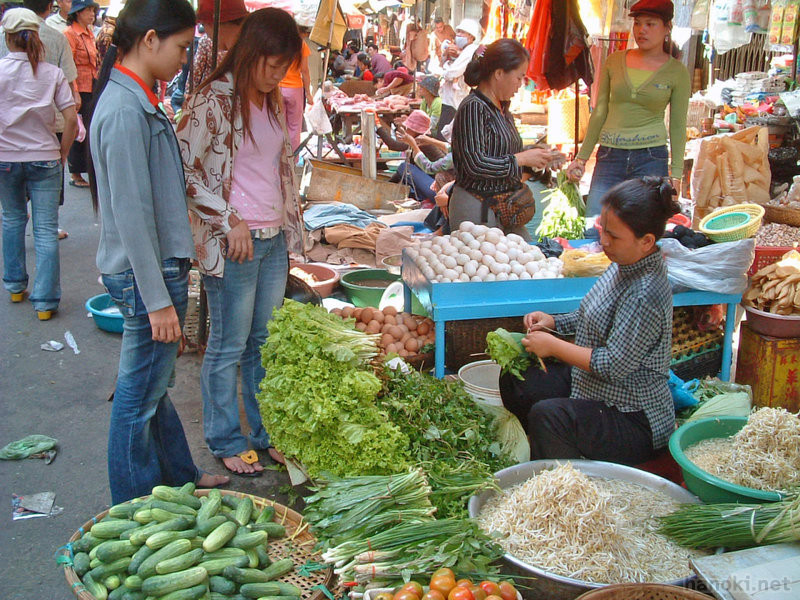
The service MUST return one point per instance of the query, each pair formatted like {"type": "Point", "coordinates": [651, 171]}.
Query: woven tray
{"type": "Point", "coordinates": [296, 545]}
{"type": "Point", "coordinates": [642, 591]}
{"type": "Point", "coordinates": [781, 214]}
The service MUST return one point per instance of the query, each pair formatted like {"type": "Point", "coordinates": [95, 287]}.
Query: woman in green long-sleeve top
{"type": "Point", "coordinates": [636, 87]}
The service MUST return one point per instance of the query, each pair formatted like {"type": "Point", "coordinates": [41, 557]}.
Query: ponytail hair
{"type": "Point", "coordinates": [165, 17]}
{"type": "Point", "coordinates": [28, 40]}
{"type": "Point", "coordinates": [644, 204]}
{"type": "Point", "coordinates": [505, 54]}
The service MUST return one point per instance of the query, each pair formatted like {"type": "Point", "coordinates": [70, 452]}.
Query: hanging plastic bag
{"type": "Point", "coordinates": [511, 435]}
{"type": "Point", "coordinates": [316, 118]}
{"type": "Point", "coordinates": [720, 268]}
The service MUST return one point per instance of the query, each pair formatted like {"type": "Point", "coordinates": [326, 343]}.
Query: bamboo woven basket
{"type": "Point", "coordinates": [782, 214]}
{"type": "Point", "coordinates": [297, 545]}
{"type": "Point", "coordinates": [642, 591]}
{"type": "Point", "coordinates": [715, 227]}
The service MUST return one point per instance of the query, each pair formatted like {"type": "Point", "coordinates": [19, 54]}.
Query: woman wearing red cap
{"type": "Point", "coordinates": [232, 14]}
{"type": "Point", "coordinates": [636, 87]}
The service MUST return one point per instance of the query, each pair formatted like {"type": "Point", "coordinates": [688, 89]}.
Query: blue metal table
{"type": "Point", "coordinates": [477, 300]}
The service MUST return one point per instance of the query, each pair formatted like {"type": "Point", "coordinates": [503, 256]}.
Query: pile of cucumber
{"type": "Point", "coordinates": [173, 545]}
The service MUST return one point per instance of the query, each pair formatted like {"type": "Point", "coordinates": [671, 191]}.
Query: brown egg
{"type": "Point", "coordinates": [406, 336]}
{"type": "Point", "coordinates": [412, 345]}
{"type": "Point", "coordinates": [361, 326]}
{"type": "Point", "coordinates": [391, 348]}
{"type": "Point", "coordinates": [386, 340]}
{"type": "Point", "coordinates": [403, 352]}
{"type": "Point", "coordinates": [404, 327]}
{"type": "Point", "coordinates": [378, 316]}
{"type": "Point", "coordinates": [395, 332]}
{"type": "Point", "coordinates": [337, 312]}
{"type": "Point", "coordinates": [357, 312]}
{"type": "Point", "coordinates": [423, 329]}
{"type": "Point", "coordinates": [366, 314]}
{"type": "Point", "coordinates": [347, 312]}
{"type": "Point", "coordinates": [390, 311]}
{"type": "Point", "coordinates": [411, 323]}
{"type": "Point", "coordinates": [390, 319]}
{"type": "Point", "coordinates": [385, 328]}
{"type": "Point", "coordinates": [373, 327]}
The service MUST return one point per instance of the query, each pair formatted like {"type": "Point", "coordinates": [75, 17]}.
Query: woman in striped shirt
{"type": "Point", "coordinates": [487, 149]}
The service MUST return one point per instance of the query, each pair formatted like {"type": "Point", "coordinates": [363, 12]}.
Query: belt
{"type": "Point", "coordinates": [265, 233]}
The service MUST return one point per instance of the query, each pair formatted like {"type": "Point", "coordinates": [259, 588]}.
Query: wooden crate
{"type": "Point", "coordinates": [771, 366]}
{"type": "Point", "coordinates": [326, 182]}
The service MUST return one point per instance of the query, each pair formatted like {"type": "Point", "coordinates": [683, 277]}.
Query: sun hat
{"type": "Point", "coordinates": [418, 122]}
{"type": "Point", "coordinates": [79, 5]}
{"type": "Point", "coordinates": [20, 19]}
{"type": "Point", "coordinates": [229, 10]}
{"type": "Point", "coordinates": [659, 8]}
{"type": "Point", "coordinates": [430, 83]}
{"type": "Point", "coordinates": [472, 27]}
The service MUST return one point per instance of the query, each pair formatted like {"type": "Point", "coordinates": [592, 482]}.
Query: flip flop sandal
{"type": "Point", "coordinates": [79, 184]}
{"type": "Point", "coordinates": [250, 457]}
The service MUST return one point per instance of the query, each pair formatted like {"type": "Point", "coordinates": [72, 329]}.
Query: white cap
{"type": "Point", "coordinates": [472, 27]}
{"type": "Point", "coordinates": [20, 19]}
{"type": "Point", "coordinates": [114, 8]}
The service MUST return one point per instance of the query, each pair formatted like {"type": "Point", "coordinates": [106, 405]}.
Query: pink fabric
{"type": "Point", "coordinates": [294, 100]}
{"type": "Point", "coordinates": [256, 184]}
{"type": "Point", "coordinates": [27, 117]}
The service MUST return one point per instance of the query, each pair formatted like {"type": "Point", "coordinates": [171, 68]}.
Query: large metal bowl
{"type": "Point", "coordinates": [555, 587]}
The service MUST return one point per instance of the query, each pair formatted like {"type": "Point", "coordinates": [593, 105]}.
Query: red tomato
{"type": "Point", "coordinates": [464, 583]}
{"type": "Point", "coordinates": [508, 591]}
{"type": "Point", "coordinates": [460, 592]}
{"type": "Point", "coordinates": [414, 588]}
{"type": "Point", "coordinates": [477, 592]}
{"type": "Point", "coordinates": [443, 584]}
{"type": "Point", "coordinates": [490, 587]}
{"type": "Point", "coordinates": [405, 595]}
{"type": "Point", "coordinates": [443, 571]}
{"type": "Point", "coordinates": [433, 595]}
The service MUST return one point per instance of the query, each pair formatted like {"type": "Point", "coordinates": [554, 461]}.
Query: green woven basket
{"type": "Point", "coordinates": [733, 223]}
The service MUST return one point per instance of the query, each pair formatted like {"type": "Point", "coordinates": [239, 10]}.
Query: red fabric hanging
{"type": "Point", "coordinates": [537, 42]}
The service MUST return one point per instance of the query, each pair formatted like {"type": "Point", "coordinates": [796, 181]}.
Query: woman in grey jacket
{"type": "Point", "coordinates": [145, 244]}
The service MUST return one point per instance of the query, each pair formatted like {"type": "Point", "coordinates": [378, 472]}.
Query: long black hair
{"type": "Point", "coordinates": [165, 17]}
{"type": "Point", "coordinates": [505, 53]}
{"type": "Point", "coordinates": [644, 204]}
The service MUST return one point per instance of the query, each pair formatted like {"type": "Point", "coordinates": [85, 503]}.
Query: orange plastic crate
{"type": "Point", "coordinates": [766, 255]}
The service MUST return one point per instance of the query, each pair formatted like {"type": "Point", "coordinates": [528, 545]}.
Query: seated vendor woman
{"type": "Point", "coordinates": [606, 397]}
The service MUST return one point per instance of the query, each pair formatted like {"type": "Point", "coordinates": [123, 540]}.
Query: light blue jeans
{"type": "Point", "coordinates": [39, 181]}
{"type": "Point", "coordinates": [240, 303]}
{"type": "Point", "coordinates": [615, 165]}
{"type": "Point", "coordinates": [146, 442]}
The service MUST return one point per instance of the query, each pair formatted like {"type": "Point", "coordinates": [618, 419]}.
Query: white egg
{"type": "Point", "coordinates": [513, 277]}
{"type": "Point", "coordinates": [538, 275]}
{"type": "Point", "coordinates": [450, 274]}
{"type": "Point", "coordinates": [449, 262]}
{"type": "Point", "coordinates": [428, 272]}
{"type": "Point", "coordinates": [475, 278]}
{"type": "Point", "coordinates": [488, 248]}
{"type": "Point", "coordinates": [494, 235]}
{"type": "Point", "coordinates": [438, 267]}
{"type": "Point", "coordinates": [463, 277]}
{"type": "Point", "coordinates": [527, 257]}
{"type": "Point", "coordinates": [496, 268]}
{"type": "Point", "coordinates": [504, 268]}
{"type": "Point", "coordinates": [488, 260]}
{"type": "Point", "coordinates": [444, 279]}
{"type": "Point", "coordinates": [466, 226]}
{"type": "Point", "coordinates": [518, 269]}
{"type": "Point", "coordinates": [501, 257]}
{"type": "Point", "coordinates": [532, 267]}
{"type": "Point", "coordinates": [513, 253]}
{"type": "Point", "coordinates": [479, 230]}
{"type": "Point", "coordinates": [553, 260]}
{"type": "Point", "coordinates": [450, 250]}
{"type": "Point", "coordinates": [475, 254]}
{"type": "Point", "coordinates": [490, 277]}
{"type": "Point", "coordinates": [537, 253]}
{"type": "Point", "coordinates": [474, 244]}
{"type": "Point", "coordinates": [471, 268]}
{"type": "Point", "coordinates": [426, 244]}
{"type": "Point", "coordinates": [525, 275]}
{"type": "Point", "coordinates": [412, 252]}
{"type": "Point", "coordinates": [517, 239]}
{"type": "Point", "coordinates": [502, 247]}
{"type": "Point", "coordinates": [462, 258]}
{"type": "Point", "coordinates": [482, 271]}
{"type": "Point", "coordinates": [466, 237]}
{"type": "Point", "coordinates": [502, 277]}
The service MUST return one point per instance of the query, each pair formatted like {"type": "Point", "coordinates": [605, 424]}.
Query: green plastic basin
{"type": "Point", "coordinates": [362, 295]}
{"type": "Point", "coordinates": [703, 484]}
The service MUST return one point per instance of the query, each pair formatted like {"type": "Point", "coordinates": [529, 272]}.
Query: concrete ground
{"type": "Point", "coordinates": [64, 395]}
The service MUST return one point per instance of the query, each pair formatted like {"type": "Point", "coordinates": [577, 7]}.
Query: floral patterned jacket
{"type": "Point", "coordinates": [208, 140]}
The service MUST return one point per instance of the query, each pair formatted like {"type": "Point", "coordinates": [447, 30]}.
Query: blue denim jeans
{"type": "Point", "coordinates": [417, 179]}
{"type": "Point", "coordinates": [615, 165]}
{"type": "Point", "coordinates": [240, 303]}
{"type": "Point", "coordinates": [39, 181]}
{"type": "Point", "coordinates": [146, 442]}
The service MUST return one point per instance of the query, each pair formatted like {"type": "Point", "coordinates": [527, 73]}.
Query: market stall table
{"type": "Point", "coordinates": [478, 300]}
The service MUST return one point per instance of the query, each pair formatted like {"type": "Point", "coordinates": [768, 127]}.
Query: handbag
{"type": "Point", "coordinates": [511, 209]}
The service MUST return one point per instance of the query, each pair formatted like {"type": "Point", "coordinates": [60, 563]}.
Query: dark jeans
{"type": "Point", "coordinates": [78, 158]}
{"type": "Point", "coordinates": [417, 179]}
{"type": "Point", "coordinates": [562, 427]}
{"type": "Point", "coordinates": [615, 165]}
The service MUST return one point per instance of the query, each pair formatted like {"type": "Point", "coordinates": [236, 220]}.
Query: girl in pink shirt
{"type": "Point", "coordinates": [245, 216]}
{"type": "Point", "coordinates": [31, 158]}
